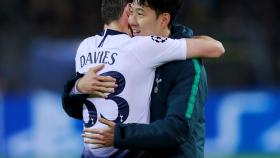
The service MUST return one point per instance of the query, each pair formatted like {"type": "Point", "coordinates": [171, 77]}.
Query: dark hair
{"type": "Point", "coordinates": [112, 10]}
{"type": "Point", "coordinates": [163, 6]}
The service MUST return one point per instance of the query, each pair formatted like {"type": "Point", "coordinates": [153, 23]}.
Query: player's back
{"type": "Point", "coordinates": [133, 65]}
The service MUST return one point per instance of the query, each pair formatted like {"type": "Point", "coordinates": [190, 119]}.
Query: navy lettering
{"type": "Point", "coordinates": [83, 61]}
{"type": "Point", "coordinates": [113, 58]}
{"type": "Point", "coordinates": [89, 59]}
{"type": "Point", "coordinates": [101, 56]}
{"type": "Point", "coordinates": [104, 57]}
{"type": "Point", "coordinates": [96, 56]}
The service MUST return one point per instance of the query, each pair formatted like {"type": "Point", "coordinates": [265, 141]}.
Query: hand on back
{"type": "Point", "coordinates": [96, 85]}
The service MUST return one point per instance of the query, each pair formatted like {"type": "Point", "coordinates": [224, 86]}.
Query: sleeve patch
{"type": "Point", "coordinates": [159, 39]}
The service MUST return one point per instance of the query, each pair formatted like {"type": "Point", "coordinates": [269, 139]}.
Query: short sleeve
{"type": "Point", "coordinates": [154, 51]}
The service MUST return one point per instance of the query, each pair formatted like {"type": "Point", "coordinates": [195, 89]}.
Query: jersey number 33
{"type": "Point", "coordinates": [123, 107]}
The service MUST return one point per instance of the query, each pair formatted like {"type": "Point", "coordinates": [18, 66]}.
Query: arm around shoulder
{"type": "Point", "coordinates": [205, 47]}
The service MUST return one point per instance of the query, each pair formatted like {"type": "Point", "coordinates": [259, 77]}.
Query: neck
{"type": "Point", "coordinates": [165, 32]}
{"type": "Point", "coordinates": [115, 25]}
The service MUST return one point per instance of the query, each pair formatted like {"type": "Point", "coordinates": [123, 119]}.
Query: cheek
{"type": "Point", "coordinates": [129, 20]}
{"type": "Point", "coordinates": [147, 25]}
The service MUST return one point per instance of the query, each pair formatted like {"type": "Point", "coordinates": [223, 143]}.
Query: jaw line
{"type": "Point", "coordinates": [136, 32]}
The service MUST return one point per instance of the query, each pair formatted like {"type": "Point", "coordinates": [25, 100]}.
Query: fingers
{"type": "Point", "coordinates": [96, 68]}
{"type": "Point", "coordinates": [101, 92]}
{"type": "Point", "coordinates": [93, 136]}
{"type": "Point", "coordinates": [106, 78]}
{"type": "Point", "coordinates": [105, 84]}
{"type": "Point", "coordinates": [96, 94]}
{"type": "Point", "coordinates": [93, 131]}
{"type": "Point", "coordinates": [99, 137]}
{"type": "Point", "coordinates": [106, 81]}
{"type": "Point", "coordinates": [95, 85]}
{"type": "Point", "coordinates": [97, 143]}
{"type": "Point", "coordinates": [103, 89]}
{"type": "Point", "coordinates": [107, 122]}
{"type": "Point", "coordinates": [98, 146]}
{"type": "Point", "coordinates": [94, 141]}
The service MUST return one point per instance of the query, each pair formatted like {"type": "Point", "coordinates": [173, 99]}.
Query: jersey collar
{"type": "Point", "coordinates": [110, 32]}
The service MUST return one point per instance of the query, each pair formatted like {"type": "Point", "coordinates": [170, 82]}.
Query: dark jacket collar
{"type": "Point", "coordinates": [180, 31]}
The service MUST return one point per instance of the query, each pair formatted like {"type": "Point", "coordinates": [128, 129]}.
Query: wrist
{"type": "Point", "coordinates": [77, 86]}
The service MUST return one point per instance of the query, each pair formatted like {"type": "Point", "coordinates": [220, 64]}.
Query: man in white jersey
{"type": "Point", "coordinates": [132, 61]}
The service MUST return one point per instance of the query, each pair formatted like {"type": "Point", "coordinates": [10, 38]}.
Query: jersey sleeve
{"type": "Point", "coordinates": [73, 103]}
{"type": "Point", "coordinates": [154, 51]}
{"type": "Point", "coordinates": [82, 49]}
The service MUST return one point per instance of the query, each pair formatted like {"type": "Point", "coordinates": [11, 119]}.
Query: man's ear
{"type": "Point", "coordinates": [126, 13]}
{"type": "Point", "coordinates": [127, 9]}
{"type": "Point", "coordinates": [165, 19]}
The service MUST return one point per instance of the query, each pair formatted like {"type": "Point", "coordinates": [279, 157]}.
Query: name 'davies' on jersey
{"type": "Point", "coordinates": [101, 57]}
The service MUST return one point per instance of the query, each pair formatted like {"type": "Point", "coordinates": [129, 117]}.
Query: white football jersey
{"type": "Point", "coordinates": [132, 61]}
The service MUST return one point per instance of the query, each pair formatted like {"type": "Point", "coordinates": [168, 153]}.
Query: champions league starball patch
{"type": "Point", "coordinates": [159, 39]}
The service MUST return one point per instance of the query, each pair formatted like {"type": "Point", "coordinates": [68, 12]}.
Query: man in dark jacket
{"type": "Point", "coordinates": [177, 109]}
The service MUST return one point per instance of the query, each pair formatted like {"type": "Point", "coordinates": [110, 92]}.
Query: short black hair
{"type": "Point", "coordinates": [163, 6]}
{"type": "Point", "coordinates": [112, 10]}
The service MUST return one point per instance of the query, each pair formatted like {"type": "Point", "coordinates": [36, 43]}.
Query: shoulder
{"type": "Point", "coordinates": [141, 38]}
{"type": "Point", "coordinates": [89, 39]}
{"type": "Point", "coordinates": [87, 42]}
{"type": "Point", "coordinates": [152, 39]}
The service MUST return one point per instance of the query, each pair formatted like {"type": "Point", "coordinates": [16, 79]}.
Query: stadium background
{"type": "Point", "coordinates": [38, 40]}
